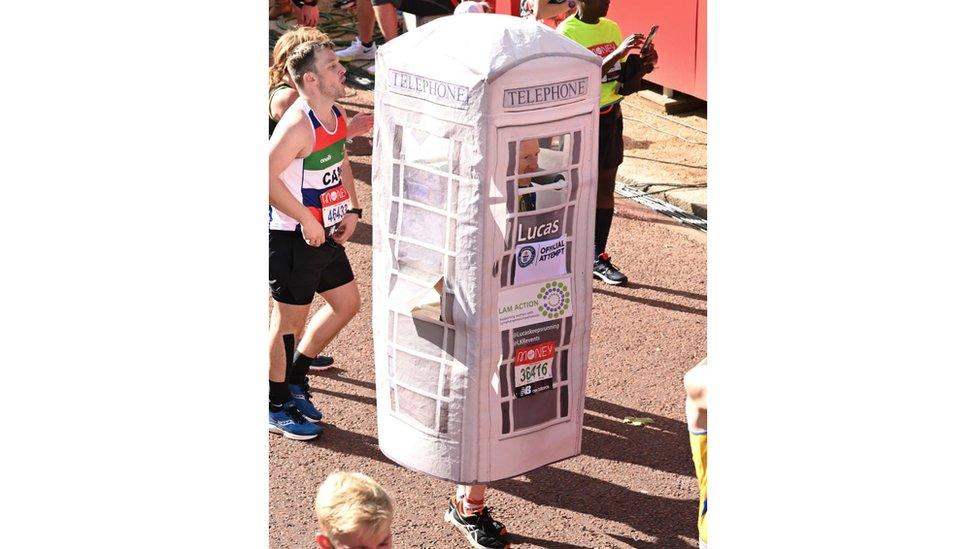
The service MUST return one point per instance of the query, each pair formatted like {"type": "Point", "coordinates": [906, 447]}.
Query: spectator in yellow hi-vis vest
{"type": "Point", "coordinates": [591, 29]}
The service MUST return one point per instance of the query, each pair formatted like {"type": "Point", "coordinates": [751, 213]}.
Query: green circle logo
{"type": "Point", "coordinates": [553, 299]}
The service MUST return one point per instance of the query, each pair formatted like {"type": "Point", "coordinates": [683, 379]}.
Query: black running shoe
{"type": "Point", "coordinates": [605, 271]}
{"type": "Point", "coordinates": [320, 363]}
{"type": "Point", "coordinates": [480, 529]}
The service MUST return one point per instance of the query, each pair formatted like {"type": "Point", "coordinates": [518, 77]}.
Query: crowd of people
{"type": "Point", "coordinates": [314, 211]}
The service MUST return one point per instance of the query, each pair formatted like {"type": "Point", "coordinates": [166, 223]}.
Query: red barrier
{"type": "Point", "coordinates": [510, 7]}
{"type": "Point", "coordinates": [681, 40]}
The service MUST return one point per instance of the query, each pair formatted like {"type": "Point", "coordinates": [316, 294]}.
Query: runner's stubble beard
{"type": "Point", "coordinates": [331, 93]}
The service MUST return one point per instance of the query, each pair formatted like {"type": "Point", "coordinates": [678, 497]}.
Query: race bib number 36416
{"type": "Point", "coordinates": [533, 368]}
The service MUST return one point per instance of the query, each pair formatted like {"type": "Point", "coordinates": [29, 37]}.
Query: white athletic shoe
{"type": "Point", "coordinates": [357, 51]}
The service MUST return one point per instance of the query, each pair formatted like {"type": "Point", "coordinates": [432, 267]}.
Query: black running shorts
{"type": "Point", "coordinates": [297, 271]}
{"type": "Point", "coordinates": [420, 8]}
{"type": "Point", "coordinates": [611, 138]}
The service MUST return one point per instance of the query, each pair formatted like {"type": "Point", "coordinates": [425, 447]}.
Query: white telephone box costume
{"type": "Point", "coordinates": [482, 275]}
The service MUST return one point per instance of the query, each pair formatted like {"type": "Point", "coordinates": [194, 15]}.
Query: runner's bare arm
{"type": "Point", "coordinates": [281, 100]}
{"type": "Point", "coordinates": [361, 124]}
{"type": "Point", "coordinates": [290, 140]}
{"type": "Point", "coordinates": [349, 221]}
{"type": "Point", "coordinates": [307, 16]}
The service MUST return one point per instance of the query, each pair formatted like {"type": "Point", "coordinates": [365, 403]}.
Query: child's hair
{"type": "Point", "coordinates": [286, 44]}
{"type": "Point", "coordinates": [346, 502]}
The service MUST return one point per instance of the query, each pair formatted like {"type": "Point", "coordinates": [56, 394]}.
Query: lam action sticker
{"type": "Point", "coordinates": [535, 303]}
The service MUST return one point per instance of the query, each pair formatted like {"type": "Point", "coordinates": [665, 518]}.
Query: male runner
{"type": "Point", "coordinates": [314, 211]}
{"type": "Point", "coordinates": [590, 28]}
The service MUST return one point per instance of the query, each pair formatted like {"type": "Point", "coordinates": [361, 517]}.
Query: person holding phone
{"type": "Point", "coordinates": [591, 29]}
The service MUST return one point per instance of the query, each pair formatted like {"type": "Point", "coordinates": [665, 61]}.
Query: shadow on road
{"type": "Point", "coordinates": [663, 445]}
{"type": "Point", "coordinates": [519, 540]}
{"type": "Point", "coordinates": [337, 374]}
{"type": "Point", "coordinates": [350, 442]}
{"type": "Point", "coordinates": [369, 401]}
{"type": "Point", "coordinates": [689, 295]}
{"type": "Point", "coordinates": [652, 302]}
{"type": "Point", "coordinates": [656, 516]}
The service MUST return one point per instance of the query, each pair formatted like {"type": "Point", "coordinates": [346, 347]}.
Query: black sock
{"type": "Point", "coordinates": [299, 369]}
{"type": "Point", "coordinates": [604, 217]}
{"type": "Point", "coordinates": [278, 394]}
{"type": "Point", "coordinates": [368, 45]}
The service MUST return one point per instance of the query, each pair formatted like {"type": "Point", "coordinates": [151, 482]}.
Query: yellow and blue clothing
{"type": "Point", "coordinates": [699, 455]}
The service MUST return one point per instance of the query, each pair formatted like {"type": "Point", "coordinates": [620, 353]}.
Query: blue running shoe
{"type": "Point", "coordinates": [303, 401]}
{"type": "Point", "coordinates": [291, 423]}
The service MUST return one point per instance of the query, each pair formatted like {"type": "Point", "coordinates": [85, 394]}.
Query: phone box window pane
{"type": "Point", "coordinates": [420, 408]}
{"type": "Point", "coordinates": [420, 147]}
{"type": "Point", "coordinates": [423, 225]}
{"type": "Point", "coordinates": [554, 152]}
{"type": "Point", "coordinates": [425, 187]}
{"type": "Point", "coordinates": [419, 335]}
{"type": "Point", "coordinates": [417, 372]}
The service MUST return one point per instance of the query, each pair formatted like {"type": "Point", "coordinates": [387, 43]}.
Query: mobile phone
{"type": "Point", "coordinates": [647, 39]}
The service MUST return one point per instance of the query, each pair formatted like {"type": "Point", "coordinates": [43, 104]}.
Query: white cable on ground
{"type": "Point", "coordinates": [668, 119]}
{"type": "Point", "coordinates": [661, 206]}
{"type": "Point", "coordinates": [664, 132]}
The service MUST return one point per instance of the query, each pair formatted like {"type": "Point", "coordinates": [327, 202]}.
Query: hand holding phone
{"type": "Point", "coordinates": [647, 40]}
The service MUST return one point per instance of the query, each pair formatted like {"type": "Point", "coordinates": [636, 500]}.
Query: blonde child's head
{"type": "Point", "coordinates": [353, 511]}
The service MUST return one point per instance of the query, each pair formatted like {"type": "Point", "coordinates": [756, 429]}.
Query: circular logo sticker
{"type": "Point", "coordinates": [333, 195]}
{"type": "Point", "coordinates": [530, 355]}
{"type": "Point", "coordinates": [553, 299]}
{"type": "Point", "coordinates": [526, 256]}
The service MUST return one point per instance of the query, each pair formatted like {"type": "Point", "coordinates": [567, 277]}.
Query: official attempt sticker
{"type": "Point", "coordinates": [533, 368]}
